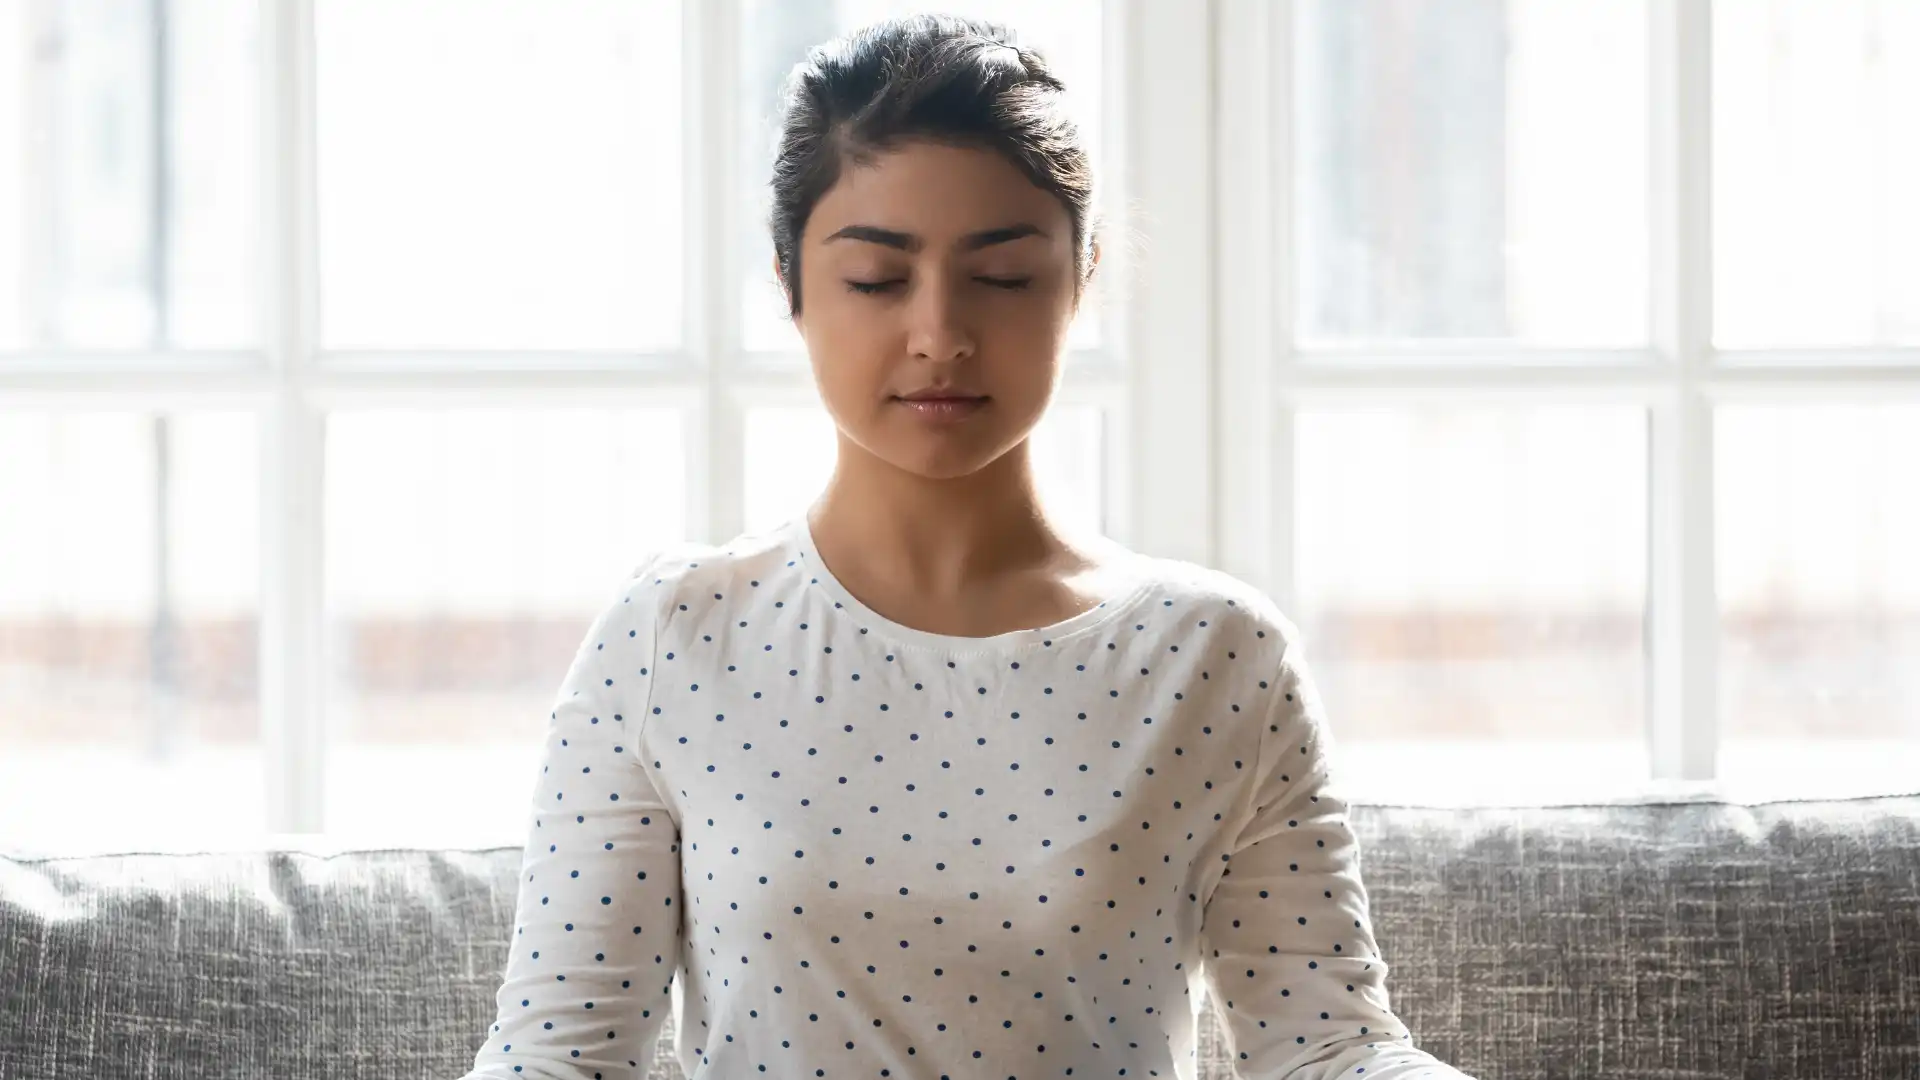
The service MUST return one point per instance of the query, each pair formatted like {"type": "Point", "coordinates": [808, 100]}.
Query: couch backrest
{"type": "Point", "coordinates": [1696, 939]}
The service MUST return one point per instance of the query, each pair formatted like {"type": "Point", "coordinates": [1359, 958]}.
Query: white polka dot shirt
{"type": "Point", "coordinates": [840, 847]}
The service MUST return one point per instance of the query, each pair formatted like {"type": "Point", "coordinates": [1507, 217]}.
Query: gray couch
{"type": "Point", "coordinates": [1692, 940]}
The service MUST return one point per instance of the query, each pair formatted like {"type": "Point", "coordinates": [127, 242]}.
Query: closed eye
{"type": "Point", "coordinates": [871, 287]}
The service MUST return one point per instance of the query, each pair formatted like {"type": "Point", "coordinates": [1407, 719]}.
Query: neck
{"type": "Point", "coordinates": [933, 536]}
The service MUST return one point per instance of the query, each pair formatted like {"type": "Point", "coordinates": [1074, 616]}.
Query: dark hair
{"type": "Point", "coordinates": [954, 80]}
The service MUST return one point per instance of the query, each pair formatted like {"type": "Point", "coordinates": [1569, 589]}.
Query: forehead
{"type": "Point", "coordinates": [937, 192]}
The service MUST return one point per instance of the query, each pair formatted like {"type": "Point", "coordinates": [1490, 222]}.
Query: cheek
{"type": "Point", "coordinates": [850, 350]}
{"type": "Point", "coordinates": [1022, 381]}
{"type": "Point", "coordinates": [832, 319]}
{"type": "Point", "coordinates": [1043, 315]}
{"type": "Point", "coordinates": [1025, 335]}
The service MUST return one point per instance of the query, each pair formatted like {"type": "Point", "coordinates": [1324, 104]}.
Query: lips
{"type": "Point", "coordinates": [942, 405]}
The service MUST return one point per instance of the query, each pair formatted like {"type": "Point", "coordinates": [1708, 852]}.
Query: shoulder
{"type": "Point", "coordinates": [666, 580]}
{"type": "Point", "coordinates": [1227, 603]}
{"type": "Point", "coordinates": [1251, 647]}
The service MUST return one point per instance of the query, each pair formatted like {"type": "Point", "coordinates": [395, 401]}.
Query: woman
{"type": "Point", "coordinates": [918, 784]}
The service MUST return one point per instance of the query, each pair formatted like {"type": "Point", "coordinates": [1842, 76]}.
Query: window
{"type": "Point", "coordinates": [1570, 346]}
{"type": "Point", "coordinates": [129, 607]}
{"type": "Point", "coordinates": [1551, 365]}
{"type": "Point", "coordinates": [1816, 310]}
{"type": "Point", "coordinates": [462, 546]}
{"type": "Point", "coordinates": [1471, 172]}
{"type": "Point", "coordinates": [1819, 589]}
{"type": "Point", "coordinates": [1466, 572]}
{"type": "Point", "coordinates": [306, 551]}
{"type": "Point", "coordinates": [127, 150]}
{"type": "Point", "coordinates": [526, 196]}
{"type": "Point", "coordinates": [1816, 240]}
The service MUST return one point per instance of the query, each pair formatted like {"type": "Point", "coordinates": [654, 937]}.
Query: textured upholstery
{"type": "Point", "coordinates": [1689, 939]}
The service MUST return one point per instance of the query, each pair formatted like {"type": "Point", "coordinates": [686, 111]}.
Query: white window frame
{"type": "Point", "coordinates": [290, 386]}
{"type": "Point", "coordinates": [1265, 379]}
{"type": "Point", "coordinates": [1200, 327]}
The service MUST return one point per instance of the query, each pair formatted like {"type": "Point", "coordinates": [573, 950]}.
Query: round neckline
{"type": "Point", "coordinates": [800, 534]}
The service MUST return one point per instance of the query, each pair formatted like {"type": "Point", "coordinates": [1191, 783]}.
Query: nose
{"type": "Point", "coordinates": [938, 325]}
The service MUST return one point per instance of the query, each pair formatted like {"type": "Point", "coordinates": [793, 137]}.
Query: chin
{"type": "Point", "coordinates": [940, 464]}
{"type": "Point", "coordinates": [946, 470]}
{"type": "Point", "coordinates": [937, 457]}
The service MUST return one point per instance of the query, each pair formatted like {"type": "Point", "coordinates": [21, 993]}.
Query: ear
{"type": "Point", "coordinates": [786, 290]}
{"type": "Point", "coordinates": [1093, 263]}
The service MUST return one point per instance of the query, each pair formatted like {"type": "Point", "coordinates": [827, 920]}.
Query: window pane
{"type": "Point", "coordinates": [129, 603]}
{"type": "Point", "coordinates": [1069, 466]}
{"type": "Point", "coordinates": [1816, 138]}
{"type": "Point", "coordinates": [466, 551]}
{"type": "Point", "coordinates": [776, 34]}
{"type": "Point", "coordinates": [1818, 526]}
{"type": "Point", "coordinates": [1472, 169]}
{"type": "Point", "coordinates": [128, 174]}
{"type": "Point", "coordinates": [501, 175]}
{"type": "Point", "coordinates": [791, 449]}
{"type": "Point", "coordinates": [1475, 573]}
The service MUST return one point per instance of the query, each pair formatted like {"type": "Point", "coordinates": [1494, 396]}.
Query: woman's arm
{"type": "Point", "coordinates": [1290, 960]}
{"type": "Point", "coordinates": [596, 930]}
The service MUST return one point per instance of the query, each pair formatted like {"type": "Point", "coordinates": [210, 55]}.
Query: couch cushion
{"type": "Point", "coordinates": [1697, 939]}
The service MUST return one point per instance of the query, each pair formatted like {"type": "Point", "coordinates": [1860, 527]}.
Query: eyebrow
{"type": "Point", "coordinates": [893, 238]}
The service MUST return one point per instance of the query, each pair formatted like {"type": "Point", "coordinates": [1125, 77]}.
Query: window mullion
{"type": "Point", "coordinates": [1253, 512]}
{"type": "Point", "coordinates": [1167, 165]}
{"type": "Point", "coordinates": [717, 481]}
{"type": "Point", "coordinates": [291, 656]}
{"type": "Point", "coordinates": [1682, 609]}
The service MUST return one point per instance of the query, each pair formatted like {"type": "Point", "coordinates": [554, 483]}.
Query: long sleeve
{"type": "Point", "coordinates": [1289, 955]}
{"type": "Point", "coordinates": [596, 930]}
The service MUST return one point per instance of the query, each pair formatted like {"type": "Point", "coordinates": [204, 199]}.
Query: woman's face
{"type": "Point", "coordinates": [936, 267]}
